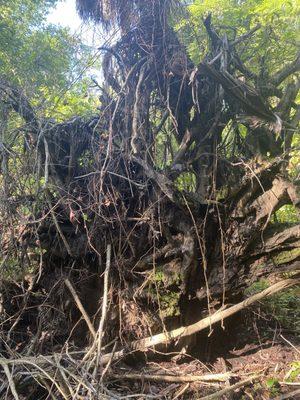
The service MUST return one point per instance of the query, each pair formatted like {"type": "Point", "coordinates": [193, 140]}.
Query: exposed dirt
{"type": "Point", "coordinates": [258, 349]}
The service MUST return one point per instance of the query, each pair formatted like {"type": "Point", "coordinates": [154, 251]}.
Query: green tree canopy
{"type": "Point", "coordinates": [277, 40]}
{"type": "Point", "coordinates": [44, 60]}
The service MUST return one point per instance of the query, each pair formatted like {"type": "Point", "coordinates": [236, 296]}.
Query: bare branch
{"type": "Point", "coordinates": [14, 97]}
{"type": "Point", "coordinates": [246, 35]}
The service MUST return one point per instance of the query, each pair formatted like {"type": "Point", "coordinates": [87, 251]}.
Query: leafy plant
{"type": "Point", "coordinates": [294, 372]}
{"type": "Point", "coordinates": [273, 385]}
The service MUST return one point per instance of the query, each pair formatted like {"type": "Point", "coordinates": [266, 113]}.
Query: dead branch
{"type": "Point", "coordinates": [104, 307]}
{"type": "Point", "coordinates": [246, 35]}
{"type": "Point", "coordinates": [245, 94]}
{"type": "Point", "coordinates": [291, 395]}
{"type": "Point", "coordinates": [15, 98]}
{"type": "Point", "coordinates": [229, 389]}
{"type": "Point", "coordinates": [10, 381]}
{"type": "Point", "coordinates": [81, 308]}
{"type": "Point", "coordinates": [165, 338]}
{"type": "Point", "coordinates": [175, 378]}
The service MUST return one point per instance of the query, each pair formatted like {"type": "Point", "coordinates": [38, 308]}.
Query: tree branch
{"type": "Point", "coordinates": [246, 35]}
{"type": "Point", "coordinates": [286, 71]}
{"type": "Point", "coordinates": [13, 97]}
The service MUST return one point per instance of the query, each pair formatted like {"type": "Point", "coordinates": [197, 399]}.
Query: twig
{"type": "Point", "coordinates": [68, 248]}
{"type": "Point", "coordinates": [246, 35]}
{"type": "Point", "coordinates": [11, 382]}
{"type": "Point", "coordinates": [291, 344]}
{"type": "Point", "coordinates": [104, 306]}
{"type": "Point", "coordinates": [291, 395]}
{"type": "Point", "coordinates": [47, 159]}
{"type": "Point", "coordinates": [181, 391]}
{"type": "Point", "coordinates": [135, 117]}
{"type": "Point", "coordinates": [64, 382]}
{"type": "Point", "coordinates": [109, 363]}
{"type": "Point", "coordinates": [229, 389]}
{"type": "Point", "coordinates": [48, 387]}
{"type": "Point", "coordinates": [289, 383]}
{"type": "Point", "coordinates": [161, 124]}
{"type": "Point", "coordinates": [81, 308]}
{"type": "Point", "coordinates": [34, 363]}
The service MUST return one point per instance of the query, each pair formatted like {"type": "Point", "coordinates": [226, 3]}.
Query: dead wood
{"type": "Point", "coordinates": [163, 174]}
{"type": "Point", "coordinates": [81, 308]}
{"type": "Point", "coordinates": [175, 378]}
{"type": "Point", "coordinates": [225, 391]}
{"type": "Point", "coordinates": [165, 338]}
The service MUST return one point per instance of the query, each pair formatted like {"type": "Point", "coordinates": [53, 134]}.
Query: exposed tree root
{"type": "Point", "coordinates": [151, 184]}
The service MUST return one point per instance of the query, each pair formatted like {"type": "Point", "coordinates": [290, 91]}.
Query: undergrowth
{"type": "Point", "coordinates": [283, 306]}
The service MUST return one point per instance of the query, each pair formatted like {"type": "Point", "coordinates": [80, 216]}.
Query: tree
{"type": "Point", "coordinates": [180, 171]}
{"type": "Point", "coordinates": [39, 69]}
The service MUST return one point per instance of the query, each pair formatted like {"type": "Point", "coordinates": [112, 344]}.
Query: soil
{"type": "Point", "coordinates": [261, 348]}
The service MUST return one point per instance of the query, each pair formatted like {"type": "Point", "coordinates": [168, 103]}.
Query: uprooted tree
{"type": "Point", "coordinates": [180, 171]}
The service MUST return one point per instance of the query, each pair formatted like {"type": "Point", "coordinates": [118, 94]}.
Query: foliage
{"type": "Point", "coordinates": [160, 289]}
{"type": "Point", "coordinates": [287, 213]}
{"type": "Point", "coordinates": [273, 385]}
{"type": "Point", "coordinates": [50, 66]}
{"type": "Point", "coordinates": [44, 60]}
{"type": "Point", "coordinates": [294, 372]}
{"type": "Point", "coordinates": [275, 41]}
{"type": "Point", "coordinates": [285, 306]}
{"type": "Point", "coordinates": [79, 100]}
{"type": "Point", "coordinates": [276, 44]}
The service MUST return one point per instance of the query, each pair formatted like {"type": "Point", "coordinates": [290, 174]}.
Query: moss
{"type": "Point", "coordinates": [169, 304]}
{"type": "Point", "coordinates": [167, 300]}
{"type": "Point", "coordinates": [162, 288]}
{"type": "Point", "coordinates": [167, 275]}
{"type": "Point", "coordinates": [16, 267]}
{"type": "Point", "coordinates": [286, 214]}
{"type": "Point", "coordinates": [261, 266]}
{"type": "Point", "coordinates": [186, 181]}
{"type": "Point", "coordinates": [294, 373]}
{"type": "Point", "coordinates": [158, 277]}
{"type": "Point", "coordinates": [257, 287]}
{"type": "Point", "coordinates": [286, 256]}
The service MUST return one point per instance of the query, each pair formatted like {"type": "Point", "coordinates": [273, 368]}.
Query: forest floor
{"type": "Point", "coordinates": [260, 350]}
{"type": "Point", "coordinates": [256, 356]}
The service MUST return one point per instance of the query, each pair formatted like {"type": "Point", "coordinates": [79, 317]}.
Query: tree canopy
{"type": "Point", "coordinates": [44, 60]}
